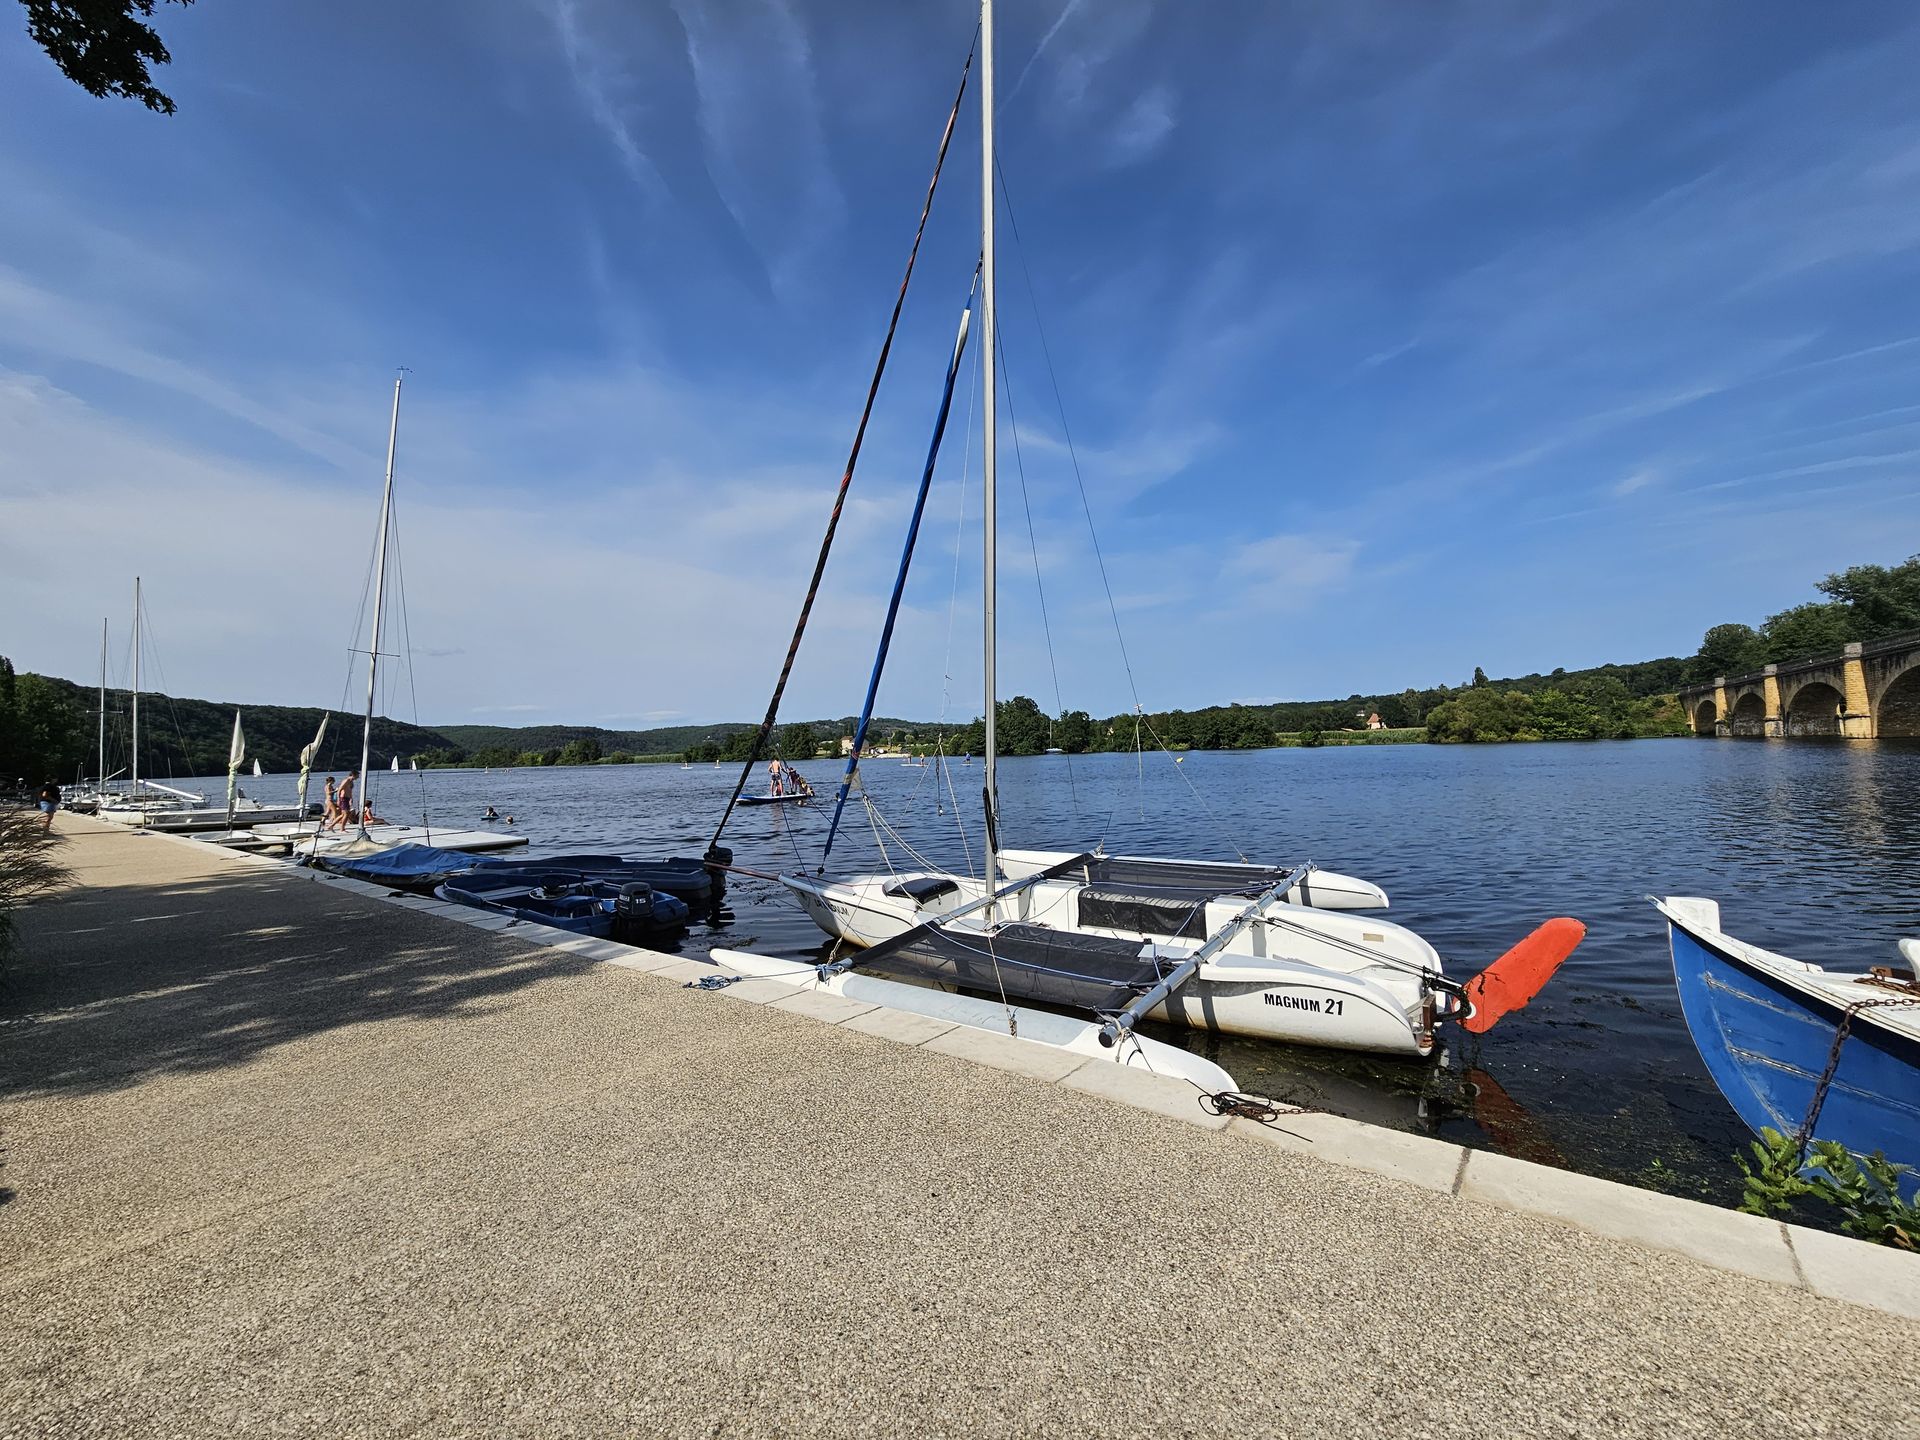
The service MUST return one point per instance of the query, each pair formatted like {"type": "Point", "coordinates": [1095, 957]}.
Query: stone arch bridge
{"type": "Point", "coordinates": [1869, 691]}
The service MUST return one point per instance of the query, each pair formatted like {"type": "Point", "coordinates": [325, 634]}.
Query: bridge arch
{"type": "Point", "coordinates": [1704, 716]}
{"type": "Point", "coordinates": [1815, 710]}
{"type": "Point", "coordinates": [1749, 716]}
{"type": "Point", "coordinates": [1897, 715]}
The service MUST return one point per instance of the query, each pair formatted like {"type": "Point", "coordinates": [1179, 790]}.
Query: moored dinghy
{"type": "Point", "coordinates": [1768, 1027]}
{"type": "Point", "coordinates": [629, 913]}
{"type": "Point", "coordinates": [689, 880]}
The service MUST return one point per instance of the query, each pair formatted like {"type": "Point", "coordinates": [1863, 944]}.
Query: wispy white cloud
{"type": "Point", "coordinates": [609, 91]}
{"type": "Point", "coordinates": [1144, 126]}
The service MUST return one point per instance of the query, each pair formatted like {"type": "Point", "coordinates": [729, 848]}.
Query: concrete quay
{"type": "Point", "coordinates": [286, 1157]}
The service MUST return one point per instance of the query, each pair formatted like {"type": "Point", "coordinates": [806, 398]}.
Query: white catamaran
{"type": "Point", "coordinates": [1248, 949]}
{"type": "Point", "coordinates": [1056, 1031]}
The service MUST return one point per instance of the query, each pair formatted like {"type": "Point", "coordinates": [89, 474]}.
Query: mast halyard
{"type": "Point", "coordinates": [379, 604]}
{"type": "Point", "coordinates": [989, 327]}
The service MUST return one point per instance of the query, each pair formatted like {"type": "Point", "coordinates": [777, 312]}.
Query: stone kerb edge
{"type": "Point", "coordinates": [1837, 1267]}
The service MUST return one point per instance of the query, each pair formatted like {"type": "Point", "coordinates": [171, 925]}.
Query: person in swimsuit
{"type": "Point", "coordinates": [492, 814]}
{"type": "Point", "coordinates": [773, 778]}
{"type": "Point", "coordinates": [346, 799]}
{"type": "Point", "coordinates": [330, 807]}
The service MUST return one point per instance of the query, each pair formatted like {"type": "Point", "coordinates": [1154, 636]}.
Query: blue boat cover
{"type": "Point", "coordinates": [409, 867]}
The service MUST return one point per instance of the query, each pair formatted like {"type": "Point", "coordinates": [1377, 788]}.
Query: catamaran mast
{"type": "Point", "coordinates": [989, 339]}
{"type": "Point", "coordinates": [379, 604]}
{"type": "Point", "coordinates": [100, 782]}
{"type": "Point", "coordinates": [135, 788]}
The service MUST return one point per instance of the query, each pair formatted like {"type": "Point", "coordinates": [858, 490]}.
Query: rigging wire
{"type": "Point", "coordinates": [406, 639]}
{"type": "Point", "coordinates": [1086, 507]}
{"type": "Point", "coordinates": [846, 478]}
{"type": "Point", "coordinates": [1033, 549]}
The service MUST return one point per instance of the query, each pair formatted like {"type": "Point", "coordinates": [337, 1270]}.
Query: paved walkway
{"type": "Point", "coordinates": [285, 1160]}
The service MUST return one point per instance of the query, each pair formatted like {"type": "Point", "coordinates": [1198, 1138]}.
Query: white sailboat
{"type": "Point", "coordinates": [366, 834]}
{"type": "Point", "coordinates": [257, 771]}
{"type": "Point", "coordinates": [1246, 949]}
{"type": "Point", "coordinates": [170, 808]}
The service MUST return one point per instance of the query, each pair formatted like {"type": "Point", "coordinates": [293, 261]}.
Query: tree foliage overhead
{"type": "Point", "coordinates": [103, 46]}
{"type": "Point", "coordinates": [1863, 603]}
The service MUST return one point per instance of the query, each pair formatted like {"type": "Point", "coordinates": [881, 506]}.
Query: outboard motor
{"type": "Point", "coordinates": [718, 858]}
{"type": "Point", "coordinates": [639, 913]}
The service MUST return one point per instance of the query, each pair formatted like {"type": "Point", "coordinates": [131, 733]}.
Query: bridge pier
{"type": "Point", "coordinates": [1774, 720]}
{"type": "Point", "coordinates": [1856, 718]}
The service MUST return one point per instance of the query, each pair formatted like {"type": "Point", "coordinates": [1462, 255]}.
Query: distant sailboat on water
{"type": "Point", "coordinates": [257, 771]}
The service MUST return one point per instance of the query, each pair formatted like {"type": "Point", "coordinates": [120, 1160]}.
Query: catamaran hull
{"type": "Point", "coordinates": [188, 821]}
{"type": "Point", "coordinates": [1282, 995]}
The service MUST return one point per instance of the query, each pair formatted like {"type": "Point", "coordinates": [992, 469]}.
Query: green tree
{"type": "Point", "coordinates": [583, 751]}
{"type": "Point", "coordinates": [1810, 629]}
{"type": "Point", "coordinates": [1022, 727]}
{"type": "Point", "coordinates": [102, 47]}
{"type": "Point", "coordinates": [1883, 600]}
{"type": "Point", "coordinates": [1074, 732]}
{"type": "Point", "coordinates": [1479, 678]}
{"type": "Point", "coordinates": [798, 742]}
{"type": "Point", "coordinates": [1728, 650]}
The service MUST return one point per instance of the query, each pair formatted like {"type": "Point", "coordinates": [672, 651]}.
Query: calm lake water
{"type": "Point", "coordinates": [1813, 849]}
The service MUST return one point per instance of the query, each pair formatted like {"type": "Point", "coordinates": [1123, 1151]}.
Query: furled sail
{"type": "Point", "coordinates": [308, 754]}
{"type": "Point", "coordinates": [236, 757]}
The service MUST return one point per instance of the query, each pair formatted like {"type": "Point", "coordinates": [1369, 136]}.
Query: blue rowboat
{"type": "Point", "coordinates": [1765, 1025]}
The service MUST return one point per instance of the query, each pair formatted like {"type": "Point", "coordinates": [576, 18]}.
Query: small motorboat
{"type": "Point", "coordinates": [629, 913]}
{"type": "Point", "coordinates": [1788, 1042]}
{"type": "Point", "coordinates": [684, 879]}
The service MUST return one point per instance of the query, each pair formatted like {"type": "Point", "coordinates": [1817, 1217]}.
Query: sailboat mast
{"type": "Point", "coordinates": [379, 604]}
{"type": "Point", "coordinates": [989, 340]}
{"type": "Point", "coordinates": [134, 789]}
{"type": "Point", "coordinates": [100, 781]}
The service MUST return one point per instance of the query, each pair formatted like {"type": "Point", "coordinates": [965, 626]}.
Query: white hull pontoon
{"type": "Point", "coordinates": [1305, 976]}
{"type": "Point", "coordinates": [303, 841]}
{"type": "Point", "coordinates": [182, 818]}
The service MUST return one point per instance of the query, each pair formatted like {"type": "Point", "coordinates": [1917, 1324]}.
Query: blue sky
{"type": "Point", "coordinates": [1394, 340]}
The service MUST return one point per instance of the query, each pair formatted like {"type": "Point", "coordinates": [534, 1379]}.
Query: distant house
{"type": "Point", "coordinates": [846, 744]}
{"type": "Point", "coordinates": [1374, 722]}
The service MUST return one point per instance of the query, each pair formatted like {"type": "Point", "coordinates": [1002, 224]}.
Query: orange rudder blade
{"type": "Point", "coordinates": [1517, 976]}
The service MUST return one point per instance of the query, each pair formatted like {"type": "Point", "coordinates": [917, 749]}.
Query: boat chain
{"type": "Point", "coordinates": [1840, 1033]}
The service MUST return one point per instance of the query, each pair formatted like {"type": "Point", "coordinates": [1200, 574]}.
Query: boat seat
{"type": "Point", "coordinates": [922, 888]}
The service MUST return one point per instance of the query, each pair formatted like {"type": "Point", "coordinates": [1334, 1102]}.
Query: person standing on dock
{"type": "Point", "coordinates": [345, 805]}
{"type": "Point", "coordinates": [49, 802]}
